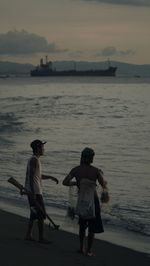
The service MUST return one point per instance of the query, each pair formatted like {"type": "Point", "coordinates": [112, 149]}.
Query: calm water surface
{"type": "Point", "coordinates": [110, 115]}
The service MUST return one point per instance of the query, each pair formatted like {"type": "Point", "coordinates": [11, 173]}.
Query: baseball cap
{"type": "Point", "coordinates": [37, 143]}
{"type": "Point", "coordinates": [87, 153]}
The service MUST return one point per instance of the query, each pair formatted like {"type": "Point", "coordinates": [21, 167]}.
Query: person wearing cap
{"type": "Point", "coordinates": [33, 184]}
{"type": "Point", "coordinates": [88, 206]}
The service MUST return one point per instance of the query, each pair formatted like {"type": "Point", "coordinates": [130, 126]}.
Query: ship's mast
{"type": "Point", "coordinates": [49, 64]}
{"type": "Point", "coordinates": [46, 57]}
{"type": "Point", "coordinates": [41, 62]}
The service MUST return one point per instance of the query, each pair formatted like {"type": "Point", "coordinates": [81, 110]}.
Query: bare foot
{"type": "Point", "coordinates": [90, 254]}
{"type": "Point", "coordinates": [44, 241]}
{"type": "Point", "coordinates": [29, 238]}
{"type": "Point", "coordinates": [81, 251]}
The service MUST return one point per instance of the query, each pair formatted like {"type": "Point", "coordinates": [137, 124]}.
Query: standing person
{"type": "Point", "coordinates": [88, 206]}
{"type": "Point", "coordinates": [33, 184]}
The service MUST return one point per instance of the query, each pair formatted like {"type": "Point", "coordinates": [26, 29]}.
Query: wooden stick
{"type": "Point", "coordinates": [14, 182]}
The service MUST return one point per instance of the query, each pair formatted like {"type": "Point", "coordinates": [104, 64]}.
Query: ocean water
{"type": "Point", "coordinates": [111, 115]}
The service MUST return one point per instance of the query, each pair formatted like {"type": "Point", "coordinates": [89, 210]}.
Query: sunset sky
{"type": "Point", "coordinates": [82, 30]}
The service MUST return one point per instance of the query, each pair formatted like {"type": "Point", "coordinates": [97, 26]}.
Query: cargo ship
{"type": "Point", "coordinates": [46, 69]}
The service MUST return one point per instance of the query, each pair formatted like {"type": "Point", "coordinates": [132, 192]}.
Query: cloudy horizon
{"type": "Point", "coordinates": [81, 30]}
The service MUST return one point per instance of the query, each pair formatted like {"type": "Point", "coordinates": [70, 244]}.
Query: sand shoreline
{"type": "Point", "coordinates": [131, 240]}
{"type": "Point", "coordinates": [15, 251]}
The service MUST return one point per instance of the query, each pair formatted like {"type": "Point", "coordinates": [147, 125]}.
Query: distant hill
{"type": "Point", "coordinates": [14, 68]}
{"type": "Point", "coordinates": [124, 69]}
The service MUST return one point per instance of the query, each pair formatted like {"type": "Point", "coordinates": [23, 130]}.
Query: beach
{"type": "Point", "coordinates": [15, 251]}
{"type": "Point", "coordinates": [62, 112]}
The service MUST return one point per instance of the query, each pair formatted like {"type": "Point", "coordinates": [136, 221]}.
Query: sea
{"type": "Point", "coordinates": [110, 115]}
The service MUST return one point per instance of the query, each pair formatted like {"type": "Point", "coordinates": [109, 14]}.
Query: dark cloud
{"type": "Point", "coordinates": [23, 42]}
{"type": "Point", "coordinates": [124, 2]}
{"type": "Point", "coordinates": [108, 51]}
{"type": "Point", "coordinates": [112, 51]}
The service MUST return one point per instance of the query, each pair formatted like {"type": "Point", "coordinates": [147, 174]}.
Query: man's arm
{"type": "Point", "coordinates": [50, 177]}
{"type": "Point", "coordinates": [67, 181]}
{"type": "Point", "coordinates": [101, 180]}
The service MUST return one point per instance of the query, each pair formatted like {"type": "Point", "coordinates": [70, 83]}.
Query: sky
{"type": "Point", "coordinates": [81, 30]}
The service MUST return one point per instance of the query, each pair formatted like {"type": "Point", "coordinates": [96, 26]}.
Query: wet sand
{"type": "Point", "coordinates": [15, 251]}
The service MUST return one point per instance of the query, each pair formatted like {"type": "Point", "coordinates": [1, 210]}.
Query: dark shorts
{"type": "Point", "coordinates": [37, 208]}
{"type": "Point", "coordinates": [94, 225]}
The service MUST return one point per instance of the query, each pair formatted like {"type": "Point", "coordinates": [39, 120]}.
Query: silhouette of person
{"type": "Point", "coordinates": [33, 184]}
{"type": "Point", "coordinates": [88, 206]}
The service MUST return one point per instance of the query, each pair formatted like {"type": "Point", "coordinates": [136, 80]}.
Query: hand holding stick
{"type": "Point", "coordinates": [24, 191]}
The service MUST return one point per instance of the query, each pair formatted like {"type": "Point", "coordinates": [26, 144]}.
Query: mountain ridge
{"type": "Point", "coordinates": [124, 69]}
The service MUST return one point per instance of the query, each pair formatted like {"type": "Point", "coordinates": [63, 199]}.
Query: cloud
{"type": "Point", "coordinates": [22, 42]}
{"type": "Point", "coordinates": [112, 51]}
{"type": "Point", "coordinates": [105, 52]}
{"type": "Point", "coordinates": [124, 2]}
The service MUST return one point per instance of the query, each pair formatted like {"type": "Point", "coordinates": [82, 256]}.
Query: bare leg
{"type": "Point", "coordinates": [90, 242]}
{"type": "Point", "coordinates": [29, 230]}
{"type": "Point", "coordinates": [82, 238]}
{"type": "Point", "coordinates": [41, 232]}
{"type": "Point", "coordinates": [41, 229]}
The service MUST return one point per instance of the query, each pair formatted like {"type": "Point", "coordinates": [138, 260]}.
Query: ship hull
{"type": "Point", "coordinates": [110, 72]}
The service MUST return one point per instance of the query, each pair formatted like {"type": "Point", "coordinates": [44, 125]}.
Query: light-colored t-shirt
{"type": "Point", "coordinates": [34, 183]}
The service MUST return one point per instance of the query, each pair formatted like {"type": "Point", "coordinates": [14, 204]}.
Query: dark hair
{"type": "Point", "coordinates": [35, 149]}
{"type": "Point", "coordinates": [87, 156]}
{"type": "Point", "coordinates": [35, 144]}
